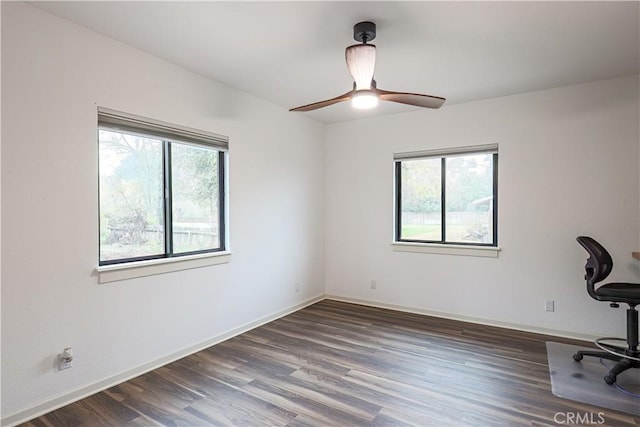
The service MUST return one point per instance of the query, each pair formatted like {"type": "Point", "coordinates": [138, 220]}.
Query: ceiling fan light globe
{"type": "Point", "coordinates": [364, 100]}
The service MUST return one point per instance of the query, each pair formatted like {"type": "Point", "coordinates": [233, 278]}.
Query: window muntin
{"type": "Point", "coordinates": [159, 197]}
{"type": "Point", "coordinates": [463, 181]}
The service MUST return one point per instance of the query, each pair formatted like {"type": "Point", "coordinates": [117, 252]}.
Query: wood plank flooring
{"type": "Point", "coordinates": [338, 364]}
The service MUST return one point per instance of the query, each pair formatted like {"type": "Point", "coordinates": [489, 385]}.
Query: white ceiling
{"type": "Point", "coordinates": [292, 53]}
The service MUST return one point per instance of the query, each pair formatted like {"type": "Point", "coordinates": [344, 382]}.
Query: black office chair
{"type": "Point", "coordinates": [599, 265]}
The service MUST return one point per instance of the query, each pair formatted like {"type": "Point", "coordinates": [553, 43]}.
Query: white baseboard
{"type": "Point", "coordinates": [81, 393]}
{"type": "Point", "coordinates": [488, 322]}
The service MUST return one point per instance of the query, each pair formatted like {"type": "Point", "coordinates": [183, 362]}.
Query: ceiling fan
{"type": "Point", "coordinates": [361, 62]}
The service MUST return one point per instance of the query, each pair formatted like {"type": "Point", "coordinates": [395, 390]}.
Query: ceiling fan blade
{"type": "Point", "coordinates": [326, 103]}
{"type": "Point", "coordinates": [419, 100]}
{"type": "Point", "coordinates": [361, 62]}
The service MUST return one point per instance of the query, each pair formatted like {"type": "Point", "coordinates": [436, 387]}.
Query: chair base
{"type": "Point", "coordinates": [622, 363]}
{"type": "Point", "coordinates": [625, 358]}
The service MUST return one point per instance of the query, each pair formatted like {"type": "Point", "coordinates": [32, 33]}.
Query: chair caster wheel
{"type": "Point", "coordinates": [577, 357]}
{"type": "Point", "coordinates": [609, 379]}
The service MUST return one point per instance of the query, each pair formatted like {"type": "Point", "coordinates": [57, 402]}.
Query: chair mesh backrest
{"type": "Point", "coordinates": [599, 264]}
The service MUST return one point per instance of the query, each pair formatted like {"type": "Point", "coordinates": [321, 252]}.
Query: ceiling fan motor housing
{"type": "Point", "coordinates": [364, 31]}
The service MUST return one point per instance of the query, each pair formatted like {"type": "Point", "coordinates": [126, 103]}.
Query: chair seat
{"type": "Point", "coordinates": [619, 292]}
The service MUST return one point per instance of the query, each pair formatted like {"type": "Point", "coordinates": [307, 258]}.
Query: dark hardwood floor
{"type": "Point", "coordinates": [338, 364]}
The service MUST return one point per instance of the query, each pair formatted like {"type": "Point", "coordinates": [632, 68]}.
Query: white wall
{"type": "Point", "coordinates": [54, 75]}
{"type": "Point", "coordinates": [568, 165]}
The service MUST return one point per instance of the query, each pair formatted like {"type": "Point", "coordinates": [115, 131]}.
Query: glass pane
{"type": "Point", "coordinates": [469, 199]}
{"type": "Point", "coordinates": [421, 206]}
{"type": "Point", "coordinates": [131, 203]}
{"type": "Point", "coordinates": [196, 208]}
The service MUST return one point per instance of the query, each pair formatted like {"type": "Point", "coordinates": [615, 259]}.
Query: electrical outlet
{"type": "Point", "coordinates": [374, 285]}
{"type": "Point", "coordinates": [65, 358]}
{"type": "Point", "coordinates": [297, 286]}
{"type": "Point", "coordinates": [549, 305]}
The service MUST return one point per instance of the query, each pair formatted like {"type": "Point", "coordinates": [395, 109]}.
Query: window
{"type": "Point", "coordinates": [162, 189]}
{"type": "Point", "coordinates": [447, 197]}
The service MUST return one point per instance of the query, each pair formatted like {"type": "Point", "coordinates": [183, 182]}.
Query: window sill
{"type": "Point", "coordinates": [434, 248]}
{"type": "Point", "coordinates": [131, 270]}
